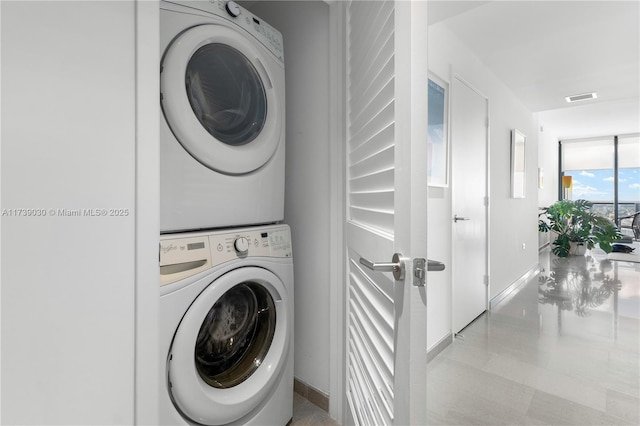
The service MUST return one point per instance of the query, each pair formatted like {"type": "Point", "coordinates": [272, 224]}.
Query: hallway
{"type": "Point", "coordinates": [563, 350]}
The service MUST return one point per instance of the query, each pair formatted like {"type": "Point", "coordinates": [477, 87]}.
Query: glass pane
{"type": "Point", "coordinates": [628, 176]}
{"type": "Point", "coordinates": [235, 336]}
{"type": "Point", "coordinates": [590, 166]}
{"type": "Point", "coordinates": [437, 134]}
{"type": "Point", "coordinates": [226, 94]}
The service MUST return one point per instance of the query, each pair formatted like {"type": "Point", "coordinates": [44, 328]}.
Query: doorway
{"type": "Point", "coordinates": [469, 198]}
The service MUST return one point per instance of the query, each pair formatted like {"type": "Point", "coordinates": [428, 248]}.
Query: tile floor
{"type": "Point", "coordinates": [564, 350]}
{"type": "Point", "coordinates": [306, 413]}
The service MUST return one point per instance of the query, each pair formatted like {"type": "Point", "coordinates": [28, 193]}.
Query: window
{"type": "Point", "coordinates": [605, 171]}
{"type": "Point", "coordinates": [628, 175]}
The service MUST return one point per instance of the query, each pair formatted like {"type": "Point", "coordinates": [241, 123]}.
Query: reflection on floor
{"type": "Point", "coordinates": [565, 349]}
{"type": "Point", "coordinates": [306, 413]}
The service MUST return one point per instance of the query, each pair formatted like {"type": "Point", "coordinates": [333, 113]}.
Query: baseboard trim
{"type": "Point", "coordinates": [514, 286]}
{"type": "Point", "coordinates": [312, 394]}
{"type": "Point", "coordinates": [439, 347]}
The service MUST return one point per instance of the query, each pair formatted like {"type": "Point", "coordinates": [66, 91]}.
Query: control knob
{"type": "Point", "coordinates": [233, 8]}
{"type": "Point", "coordinates": [241, 245]}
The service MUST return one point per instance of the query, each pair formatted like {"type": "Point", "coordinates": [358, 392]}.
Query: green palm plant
{"type": "Point", "coordinates": [574, 221]}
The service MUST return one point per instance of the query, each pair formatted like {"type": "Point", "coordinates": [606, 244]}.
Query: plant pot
{"type": "Point", "coordinates": [577, 249]}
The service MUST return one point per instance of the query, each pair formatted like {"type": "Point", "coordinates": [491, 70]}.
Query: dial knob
{"type": "Point", "coordinates": [241, 245]}
{"type": "Point", "coordinates": [233, 9]}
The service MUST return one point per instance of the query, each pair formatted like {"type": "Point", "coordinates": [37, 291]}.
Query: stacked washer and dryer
{"type": "Point", "coordinates": [226, 268]}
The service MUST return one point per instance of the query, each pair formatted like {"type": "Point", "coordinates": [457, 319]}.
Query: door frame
{"type": "Point", "coordinates": [337, 210]}
{"type": "Point", "coordinates": [455, 76]}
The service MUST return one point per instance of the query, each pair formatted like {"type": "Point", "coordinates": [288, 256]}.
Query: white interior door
{"type": "Point", "coordinates": [386, 76]}
{"type": "Point", "coordinates": [469, 135]}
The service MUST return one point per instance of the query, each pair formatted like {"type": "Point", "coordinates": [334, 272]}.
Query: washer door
{"type": "Point", "coordinates": [218, 99]}
{"type": "Point", "coordinates": [230, 347]}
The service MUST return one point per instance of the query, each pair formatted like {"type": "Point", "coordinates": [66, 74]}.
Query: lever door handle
{"type": "Point", "coordinates": [396, 266]}
{"type": "Point", "coordinates": [457, 218]}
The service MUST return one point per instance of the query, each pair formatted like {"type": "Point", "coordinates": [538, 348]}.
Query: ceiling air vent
{"type": "Point", "coordinates": [582, 97]}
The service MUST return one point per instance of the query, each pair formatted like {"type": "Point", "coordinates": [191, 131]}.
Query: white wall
{"type": "Point", "coordinates": [68, 282]}
{"type": "Point", "coordinates": [548, 171]}
{"type": "Point", "coordinates": [512, 221]}
{"type": "Point", "coordinates": [305, 29]}
{"type": "Point", "coordinates": [548, 162]}
{"type": "Point", "coordinates": [439, 248]}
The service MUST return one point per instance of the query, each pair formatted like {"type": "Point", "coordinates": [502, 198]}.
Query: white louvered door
{"type": "Point", "coordinates": [386, 79]}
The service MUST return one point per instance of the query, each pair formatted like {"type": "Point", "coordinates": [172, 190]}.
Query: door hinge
{"type": "Point", "coordinates": [486, 280]}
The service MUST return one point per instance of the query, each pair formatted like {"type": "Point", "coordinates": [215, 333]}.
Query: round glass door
{"type": "Point", "coordinates": [235, 335]}
{"type": "Point", "coordinates": [230, 347]}
{"type": "Point", "coordinates": [226, 94]}
{"type": "Point", "coordinates": [222, 96]}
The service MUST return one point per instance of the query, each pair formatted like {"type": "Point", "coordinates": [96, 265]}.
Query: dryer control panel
{"type": "Point", "coordinates": [184, 255]}
{"type": "Point", "coordinates": [233, 12]}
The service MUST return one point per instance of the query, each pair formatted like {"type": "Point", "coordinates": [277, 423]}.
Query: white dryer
{"type": "Point", "coordinates": [222, 135]}
{"type": "Point", "coordinates": [226, 327]}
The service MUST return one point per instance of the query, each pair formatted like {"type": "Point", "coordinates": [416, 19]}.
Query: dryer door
{"type": "Point", "coordinates": [230, 347]}
{"type": "Point", "coordinates": [219, 99]}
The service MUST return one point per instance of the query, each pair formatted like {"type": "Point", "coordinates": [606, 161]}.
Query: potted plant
{"type": "Point", "coordinates": [577, 227]}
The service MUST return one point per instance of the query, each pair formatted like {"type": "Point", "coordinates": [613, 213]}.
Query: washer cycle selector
{"type": "Point", "coordinates": [241, 245]}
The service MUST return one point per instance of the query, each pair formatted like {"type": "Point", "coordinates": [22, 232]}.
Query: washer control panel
{"type": "Point", "coordinates": [184, 255]}
{"type": "Point", "coordinates": [232, 11]}
{"type": "Point", "coordinates": [272, 242]}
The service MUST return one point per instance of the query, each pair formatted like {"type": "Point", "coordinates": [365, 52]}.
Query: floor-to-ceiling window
{"type": "Point", "coordinates": [605, 171]}
{"type": "Point", "coordinates": [628, 175]}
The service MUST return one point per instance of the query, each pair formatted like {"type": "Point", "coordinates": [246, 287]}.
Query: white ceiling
{"type": "Point", "coordinates": [546, 50]}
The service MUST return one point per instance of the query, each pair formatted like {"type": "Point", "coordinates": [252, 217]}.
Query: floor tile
{"type": "Point", "coordinates": [552, 410]}
{"type": "Point", "coordinates": [623, 406]}
{"type": "Point", "coordinates": [306, 413]}
{"type": "Point", "coordinates": [563, 349]}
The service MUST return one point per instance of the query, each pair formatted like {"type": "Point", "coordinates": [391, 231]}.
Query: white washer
{"type": "Point", "coordinates": [226, 327]}
{"type": "Point", "coordinates": [222, 135]}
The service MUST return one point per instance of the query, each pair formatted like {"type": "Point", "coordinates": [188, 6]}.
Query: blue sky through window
{"type": "Point", "coordinates": [597, 185]}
